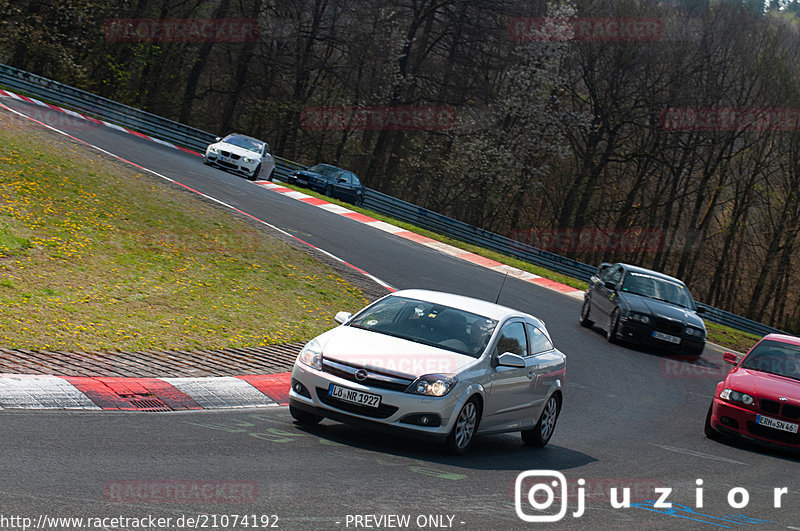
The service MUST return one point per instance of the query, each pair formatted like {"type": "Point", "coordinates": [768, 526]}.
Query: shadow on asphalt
{"type": "Point", "coordinates": [488, 452]}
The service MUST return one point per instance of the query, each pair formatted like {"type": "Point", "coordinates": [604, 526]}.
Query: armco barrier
{"type": "Point", "coordinates": [195, 139]}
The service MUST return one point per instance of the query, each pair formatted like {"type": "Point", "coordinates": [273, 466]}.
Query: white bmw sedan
{"type": "Point", "coordinates": [241, 154]}
{"type": "Point", "coordinates": [436, 366]}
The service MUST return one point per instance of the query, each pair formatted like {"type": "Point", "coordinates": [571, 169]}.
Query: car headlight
{"type": "Point", "coordinates": [212, 149]}
{"type": "Point", "coordinates": [735, 396]}
{"type": "Point", "coordinates": [311, 355]}
{"type": "Point", "coordinates": [433, 384]}
{"type": "Point", "coordinates": [639, 317]}
{"type": "Point", "coordinates": [694, 332]}
{"type": "Point", "coordinates": [248, 160]}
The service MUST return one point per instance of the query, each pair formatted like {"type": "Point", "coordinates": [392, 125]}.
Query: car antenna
{"type": "Point", "coordinates": [501, 288]}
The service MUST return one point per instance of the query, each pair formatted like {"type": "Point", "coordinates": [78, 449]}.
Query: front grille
{"type": "Point", "coordinates": [773, 407]}
{"type": "Point", "coordinates": [791, 412]}
{"type": "Point", "coordinates": [769, 406]}
{"type": "Point", "coordinates": [374, 378]}
{"type": "Point", "coordinates": [381, 412]}
{"type": "Point", "coordinates": [773, 434]}
{"type": "Point", "coordinates": [668, 327]}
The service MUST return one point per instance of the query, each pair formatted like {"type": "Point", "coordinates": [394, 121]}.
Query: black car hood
{"type": "Point", "coordinates": [656, 308]}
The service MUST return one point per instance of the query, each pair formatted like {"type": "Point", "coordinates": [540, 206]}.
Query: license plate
{"type": "Point", "coordinates": [777, 424]}
{"type": "Point", "coordinates": [666, 337]}
{"type": "Point", "coordinates": [354, 397]}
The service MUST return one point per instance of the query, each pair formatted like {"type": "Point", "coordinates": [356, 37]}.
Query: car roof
{"type": "Point", "coordinates": [468, 304]}
{"type": "Point", "coordinates": [657, 274]}
{"type": "Point", "coordinates": [244, 136]}
{"type": "Point", "coordinates": [327, 166]}
{"type": "Point", "coordinates": [782, 338]}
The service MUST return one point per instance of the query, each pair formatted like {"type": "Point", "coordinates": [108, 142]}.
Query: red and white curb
{"type": "Point", "coordinates": [424, 240]}
{"type": "Point", "coordinates": [25, 391]}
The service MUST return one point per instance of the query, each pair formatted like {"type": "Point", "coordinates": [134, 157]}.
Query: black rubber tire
{"type": "Point", "coordinates": [329, 190]}
{"type": "Point", "coordinates": [585, 309]}
{"type": "Point", "coordinates": [359, 200]}
{"type": "Point", "coordinates": [541, 434]}
{"type": "Point", "coordinates": [271, 174]}
{"type": "Point", "coordinates": [709, 430]}
{"type": "Point", "coordinates": [304, 417]}
{"type": "Point", "coordinates": [255, 173]}
{"type": "Point", "coordinates": [465, 428]}
{"type": "Point", "coordinates": [613, 325]}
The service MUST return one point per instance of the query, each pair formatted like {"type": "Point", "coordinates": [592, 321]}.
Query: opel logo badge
{"type": "Point", "coordinates": [361, 375]}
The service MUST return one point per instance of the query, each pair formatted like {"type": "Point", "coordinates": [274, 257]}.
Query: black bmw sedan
{"type": "Point", "coordinates": [331, 181]}
{"type": "Point", "coordinates": [638, 305]}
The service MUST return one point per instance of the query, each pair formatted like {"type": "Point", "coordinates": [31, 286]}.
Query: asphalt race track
{"type": "Point", "coordinates": [631, 418]}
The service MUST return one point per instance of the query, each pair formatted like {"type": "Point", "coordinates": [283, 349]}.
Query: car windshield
{"type": "Point", "coordinates": [323, 169]}
{"type": "Point", "coordinates": [657, 288]}
{"type": "Point", "coordinates": [774, 357]}
{"type": "Point", "coordinates": [428, 323]}
{"type": "Point", "coordinates": [244, 142]}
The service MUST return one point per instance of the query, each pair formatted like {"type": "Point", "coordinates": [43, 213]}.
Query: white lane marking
{"type": "Point", "coordinates": [699, 454]}
{"type": "Point", "coordinates": [514, 272]}
{"type": "Point", "coordinates": [29, 391]}
{"type": "Point", "coordinates": [445, 248]}
{"type": "Point", "coordinates": [221, 392]}
{"type": "Point", "coordinates": [336, 209]}
{"type": "Point", "coordinates": [297, 195]}
{"type": "Point", "coordinates": [385, 227]}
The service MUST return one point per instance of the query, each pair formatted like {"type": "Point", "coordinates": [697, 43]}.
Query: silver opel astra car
{"type": "Point", "coordinates": [436, 366]}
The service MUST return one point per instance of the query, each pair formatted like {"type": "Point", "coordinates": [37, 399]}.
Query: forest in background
{"type": "Point", "coordinates": [551, 135]}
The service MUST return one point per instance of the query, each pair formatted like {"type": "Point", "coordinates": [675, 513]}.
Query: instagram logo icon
{"type": "Point", "coordinates": [541, 495]}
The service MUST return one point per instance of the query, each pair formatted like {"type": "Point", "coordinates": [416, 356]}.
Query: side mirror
{"type": "Point", "coordinates": [509, 359]}
{"type": "Point", "coordinates": [218, 138]}
{"type": "Point", "coordinates": [701, 309]}
{"type": "Point", "coordinates": [342, 180]}
{"type": "Point", "coordinates": [730, 357]}
{"type": "Point", "coordinates": [610, 285]}
{"type": "Point", "coordinates": [342, 317]}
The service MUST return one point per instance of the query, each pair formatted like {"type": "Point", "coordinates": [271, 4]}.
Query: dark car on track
{"type": "Point", "coordinates": [759, 400]}
{"type": "Point", "coordinates": [331, 181]}
{"type": "Point", "coordinates": [641, 306]}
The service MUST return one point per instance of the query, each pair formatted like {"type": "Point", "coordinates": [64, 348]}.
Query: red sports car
{"type": "Point", "coordinates": [759, 399]}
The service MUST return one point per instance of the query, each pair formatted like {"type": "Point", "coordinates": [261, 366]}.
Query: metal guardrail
{"type": "Point", "coordinates": [197, 140]}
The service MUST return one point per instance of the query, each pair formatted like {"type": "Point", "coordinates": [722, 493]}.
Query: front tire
{"type": "Point", "coordinates": [329, 191]}
{"type": "Point", "coordinates": [463, 433]}
{"type": "Point", "coordinates": [585, 309]}
{"type": "Point", "coordinates": [271, 174]}
{"type": "Point", "coordinates": [253, 176]}
{"type": "Point", "coordinates": [708, 429]}
{"type": "Point", "coordinates": [613, 327]}
{"type": "Point", "coordinates": [304, 417]}
{"type": "Point", "coordinates": [540, 435]}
